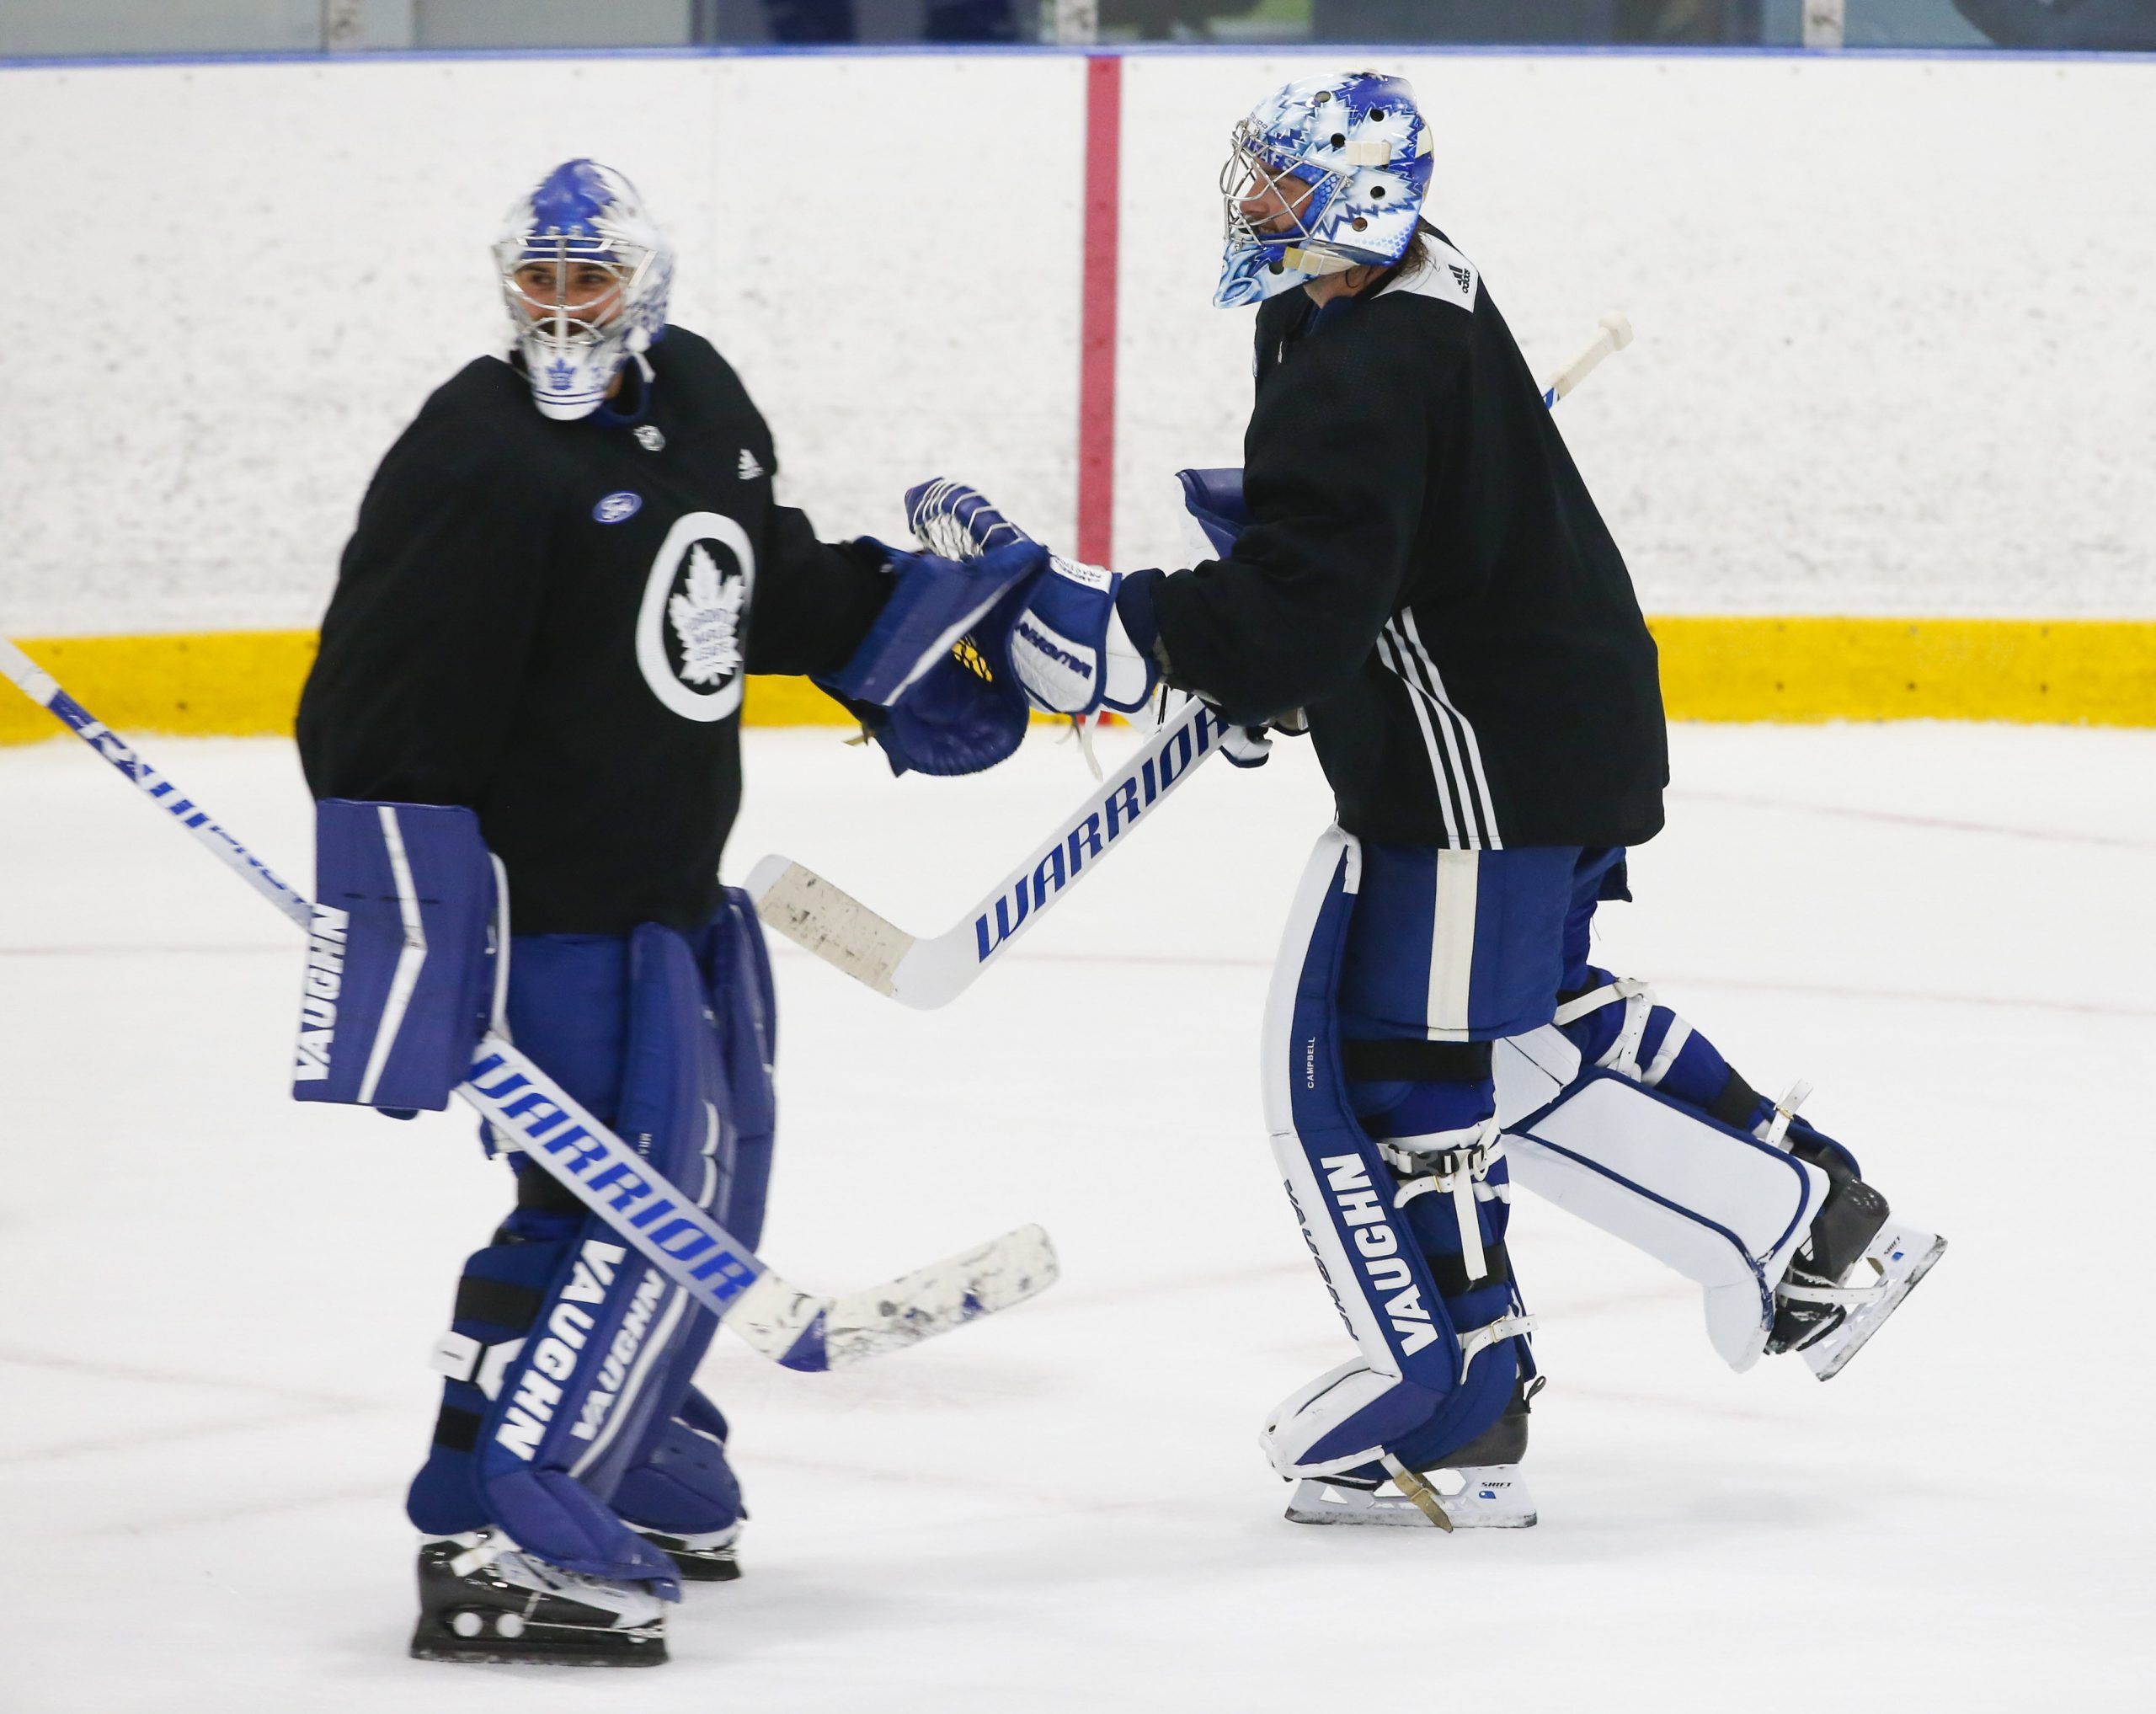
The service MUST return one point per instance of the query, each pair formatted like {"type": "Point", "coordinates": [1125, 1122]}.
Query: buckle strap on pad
{"type": "Point", "coordinates": [1458, 1163]}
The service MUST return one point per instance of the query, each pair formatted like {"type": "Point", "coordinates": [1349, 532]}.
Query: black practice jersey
{"type": "Point", "coordinates": [549, 623]}
{"type": "Point", "coordinates": [1426, 576]}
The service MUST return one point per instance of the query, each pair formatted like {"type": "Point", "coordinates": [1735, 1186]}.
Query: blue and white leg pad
{"type": "Point", "coordinates": [1431, 1372]}
{"type": "Point", "coordinates": [570, 1359]}
{"type": "Point", "coordinates": [1723, 1207]}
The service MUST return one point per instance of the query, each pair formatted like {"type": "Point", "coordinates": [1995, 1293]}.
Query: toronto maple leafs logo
{"type": "Point", "coordinates": [706, 619]}
{"type": "Point", "coordinates": [697, 600]}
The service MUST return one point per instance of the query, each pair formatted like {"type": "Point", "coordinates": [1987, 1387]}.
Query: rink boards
{"type": "Point", "coordinates": [1896, 330]}
{"type": "Point", "coordinates": [2089, 672]}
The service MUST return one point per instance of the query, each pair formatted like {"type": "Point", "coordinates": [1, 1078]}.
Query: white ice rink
{"type": "Point", "coordinates": [219, 1303]}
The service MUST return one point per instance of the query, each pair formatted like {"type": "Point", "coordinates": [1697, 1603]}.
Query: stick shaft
{"type": "Point", "coordinates": [505, 1086]}
{"type": "Point", "coordinates": [719, 1273]}
{"type": "Point", "coordinates": [43, 689]}
{"type": "Point", "coordinates": [1615, 335]}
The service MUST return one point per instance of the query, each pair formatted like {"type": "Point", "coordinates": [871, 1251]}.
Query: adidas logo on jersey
{"type": "Point", "coordinates": [751, 470]}
{"type": "Point", "coordinates": [1461, 275]}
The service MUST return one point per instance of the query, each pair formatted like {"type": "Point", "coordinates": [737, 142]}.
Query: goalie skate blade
{"type": "Point", "coordinates": [703, 1559]}
{"type": "Point", "coordinates": [1491, 1497]}
{"type": "Point", "coordinates": [995, 1276]}
{"type": "Point", "coordinates": [838, 928]}
{"type": "Point", "coordinates": [1905, 1259]}
{"type": "Point", "coordinates": [542, 1646]}
{"type": "Point", "coordinates": [484, 1602]}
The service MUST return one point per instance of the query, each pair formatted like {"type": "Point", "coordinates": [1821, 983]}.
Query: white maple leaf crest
{"type": "Point", "coordinates": [706, 617]}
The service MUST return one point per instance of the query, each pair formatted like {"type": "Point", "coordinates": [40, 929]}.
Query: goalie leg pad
{"type": "Point", "coordinates": [570, 1359]}
{"type": "Point", "coordinates": [681, 1485]}
{"type": "Point", "coordinates": [1441, 1346]}
{"type": "Point", "coordinates": [1713, 1202]}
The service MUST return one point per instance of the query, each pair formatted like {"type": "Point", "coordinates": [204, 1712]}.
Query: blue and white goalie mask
{"type": "Point", "coordinates": [1326, 174]}
{"type": "Point", "coordinates": [585, 271]}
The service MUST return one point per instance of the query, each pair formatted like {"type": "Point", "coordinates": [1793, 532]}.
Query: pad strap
{"type": "Point", "coordinates": [1622, 1056]}
{"type": "Point", "coordinates": [1477, 1340]}
{"type": "Point", "coordinates": [462, 1358]}
{"type": "Point", "coordinates": [1775, 1133]}
{"type": "Point", "coordinates": [1457, 1163]}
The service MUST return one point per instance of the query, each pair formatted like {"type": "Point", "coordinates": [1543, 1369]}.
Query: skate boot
{"type": "Point", "coordinates": [707, 1558]}
{"type": "Point", "coordinates": [1828, 1315]}
{"type": "Point", "coordinates": [1477, 1487]}
{"type": "Point", "coordinates": [481, 1600]}
{"type": "Point", "coordinates": [1855, 1266]}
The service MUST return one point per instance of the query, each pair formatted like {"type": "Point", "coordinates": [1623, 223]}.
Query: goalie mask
{"type": "Point", "coordinates": [585, 271]}
{"type": "Point", "coordinates": [1343, 161]}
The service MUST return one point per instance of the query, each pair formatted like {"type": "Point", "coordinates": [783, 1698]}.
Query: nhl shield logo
{"type": "Point", "coordinates": [690, 629]}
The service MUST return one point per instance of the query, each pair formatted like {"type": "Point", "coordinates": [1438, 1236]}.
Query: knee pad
{"type": "Point", "coordinates": [568, 1356]}
{"type": "Point", "coordinates": [1419, 1279]}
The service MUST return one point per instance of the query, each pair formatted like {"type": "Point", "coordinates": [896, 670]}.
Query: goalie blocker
{"type": "Point", "coordinates": [403, 958]}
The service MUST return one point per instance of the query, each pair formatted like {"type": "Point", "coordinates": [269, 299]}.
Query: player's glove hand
{"type": "Point", "coordinates": [1069, 647]}
{"type": "Point", "coordinates": [934, 603]}
{"type": "Point", "coordinates": [950, 720]}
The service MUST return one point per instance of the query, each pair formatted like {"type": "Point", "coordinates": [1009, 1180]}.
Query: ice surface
{"type": "Point", "coordinates": [219, 1303]}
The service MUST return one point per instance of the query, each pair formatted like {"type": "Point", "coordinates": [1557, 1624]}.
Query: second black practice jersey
{"type": "Point", "coordinates": [550, 622]}
{"type": "Point", "coordinates": [1426, 576]}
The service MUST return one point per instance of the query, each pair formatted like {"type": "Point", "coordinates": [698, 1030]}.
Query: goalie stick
{"type": "Point", "coordinates": [799, 904]}
{"type": "Point", "coordinates": [784, 1323]}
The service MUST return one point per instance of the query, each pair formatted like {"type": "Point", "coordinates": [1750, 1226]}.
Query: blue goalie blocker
{"type": "Point", "coordinates": [401, 955]}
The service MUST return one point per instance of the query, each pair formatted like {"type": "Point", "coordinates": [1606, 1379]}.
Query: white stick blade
{"type": "Point", "coordinates": [808, 910]}
{"type": "Point", "coordinates": [771, 1316]}
{"type": "Point", "coordinates": [945, 1294]}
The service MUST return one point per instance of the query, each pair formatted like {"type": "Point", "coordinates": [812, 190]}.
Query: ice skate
{"type": "Point", "coordinates": [1477, 1487]}
{"type": "Point", "coordinates": [705, 1558]}
{"type": "Point", "coordinates": [1829, 1317]}
{"type": "Point", "coordinates": [481, 1600]}
{"type": "Point", "coordinates": [1486, 1497]}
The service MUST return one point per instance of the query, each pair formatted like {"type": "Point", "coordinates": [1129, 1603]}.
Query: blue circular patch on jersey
{"type": "Point", "coordinates": [618, 506]}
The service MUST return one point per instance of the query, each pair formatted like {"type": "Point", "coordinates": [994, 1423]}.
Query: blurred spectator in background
{"type": "Point", "coordinates": [1171, 20]}
{"type": "Point", "coordinates": [1529, 21]}
{"type": "Point", "coordinates": [2120, 25]}
{"type": "Point", "coordinates": [944, 20]}
{"type": "Point", "coordinates": [1708, 21]}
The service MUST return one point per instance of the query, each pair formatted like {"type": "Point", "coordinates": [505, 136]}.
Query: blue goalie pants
{"type": "Point", "coordinates": [568, 1413]}
{"type": "Point", "coordinates": [1400, 968]}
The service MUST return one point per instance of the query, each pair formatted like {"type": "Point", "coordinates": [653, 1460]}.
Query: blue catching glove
{"type": "Point", "coordinates": [950, 720]}
{"type": "Point", "coordinates": [937, 602]}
